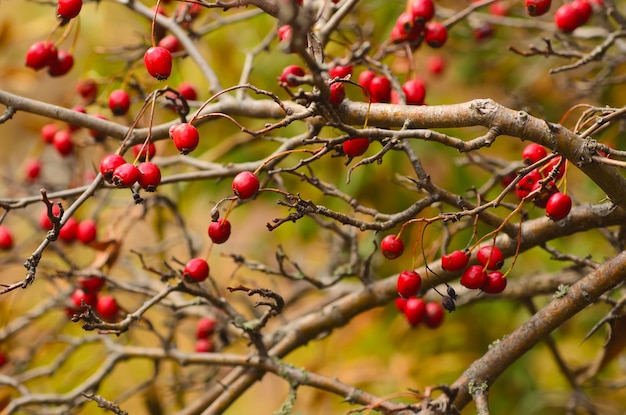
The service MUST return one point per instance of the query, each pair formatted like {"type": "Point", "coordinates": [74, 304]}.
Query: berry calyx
{"type": "Point", "coordinates": [69, 9]}
{"type": "Point", "coordinates": [558, 206]}
{"type": "Point", "coordinates": [414, 311]}
{"type": "Point", "coordinates": [108, 164]}
{"type": "Point", "coordinates": [533, 152]}
{"type": "Point", "coordinates": [391, 246]}
{"type": "Point", "coordinates": [107, 307]}
{"type": "Point", "coordinates": [355, 147]}
{"type": "Point", "coordinates": [286, 78]}
{"type": "Point", "coordinates": [40, 55]}
{"type": "Point", "coordinates": [408, 284]}
{"type": "Point", "coordinates": [537, 7]}
{"type": "Point", "coordinates": [205, 327]}
{"type": "Point", "coordinates": [119, 102]}
{"type": "Point", "coordinates": [496, 283]}
{"type": "Point", "coordinates": [474, 277]}
{"type": "Point", "coordinates": [87, 231]}
{"type": "Point", "coordinates": [435, 34]}
{"type": "Point", "coordinates": [125, 175]}
{"type": "Point", "coordinates": [196, 270]}
{"type": "Point", "coordinates": [434, 314]}
{"type": "Point", "coordinates": [185, 137]}
{"type": "Point", "coordinates": [219, 231]}
{"type": "Point", "coordinates": [490, 257]}
{"type": "Point", "coordinates": [455, 261]}
{"type": "Point", "coordinates": [245, 185]}
{"type": "Point", "coordinates": [150, 176]}
{"type": "Point", "coordinates": [6, 238]}
{"type": "Point", "coordinates": [158, 62]}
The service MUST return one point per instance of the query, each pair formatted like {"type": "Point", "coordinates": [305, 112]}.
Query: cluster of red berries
{"type": "Point", "coordinates": [568, 16]}
{"type": "Point", "coordinates": [417, 21]}
{"type": "Point", "coordinates": [486, 276]}
{"type": "Point", "coordinates": [85, 231]}
{"type": "Point", "coordinates": [89, 293]}
{"type": "Point", "coordinates": [205, 329]}
{"type": "Point", "coordinates": [415, 309]}
{"type": "Point", "coordinates": [116, 170]}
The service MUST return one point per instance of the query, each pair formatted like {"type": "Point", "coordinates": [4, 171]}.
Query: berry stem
{"type": "Point", "coordinates": [285, 153]}
{"type": "Point", "coordinates": [149, 136]}
{"type": "Point", "coordinates": [153, 26]}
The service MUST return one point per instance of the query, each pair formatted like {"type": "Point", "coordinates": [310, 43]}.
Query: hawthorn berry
{"type": "Point", "coordinates": [552, 165]}
{"type": "Point", "coordinates": [108, 164]}
{"type": "Point", "coordinates": [170, 43]}
{"type": "Point", "coordinates": [286, 77]}
{"type": "Point", "coordinates": [436, 64]}
{"type": "Point", "coordinates": [408, 284]}
{"type": "Point", "coordinates": [79, 296]}
{"type": "Point", "coordinates": [188, 91]}
{"type": "Point", "coordinates": [337, 93]}
{"type": "Point", "coordinates": [415, 91]}
{"type": "Point", "coordinates": [48, 131]}
{"type": "Point", "coordinates": [69, 9]}
{"type": "Point", "coordinates": [196, 270]}
{"type": "Point", "coordinates": [496, 283]}
{"type": "Point", "coordinates": [584, 10]}
{"type": "Point", "coordinates": [87, 231]}
{"type": "Point", "coordinates": [63, 63]}
{"type": "Point", "coordinates": [125, 175]}
{"type": "Point", "coordinates": [537, 7]}
{"type": "Point", "coordinates": [391, 246]}
{"type": "Point", "coordinates": [414, 310]}
{"type": "Point", "coordinates": [205, 327]}
{"type": "Point", "coordinates": [40, 55]}
{"type": "Point", "coordinates": [474, 277]}
{"type": "Point", "coordinates": [150, 176]}
{"type": "Point", "coordinates": [6, 238]}
{"type": "Point", "coordinates": [525, 185]}
{"type": "Point", "coordinates": [340, 71]}
{"type": "Point", "coordinates": [435, 34]}
{"type": "Point", "coordinates": [158, 62]}
{"type": "Point", "coordinates": [185, 137]}
{"type": "Point", "coordinates": [490, 257]}
{"type": "Point", "coordinates": [91, 284]}
{"type": "Point", "coordinates": [119, 102]}
{"type": "Point", "coordinates": [498, 8]}
{"type": "Point", "coordinates": [541, 198]}
{"type": "Point", "coordinates": [62, 142]}
{"type": "Point", "coordinates": [204, 346]}
{"type": "Point", "coordinates": [533, 152]}
{"type": "Point", "coordinates": [365, 79]}
{"type": "Point", "coordinates": [558, 206]}
{"type": "Point", "coordinates": [455, 261]}
{"type": "Point", "coordinates": [400, 303]}
{"type": "Point", "coordinates": [434, 314]}
{"type": "Point", "coordinates": [380, 89]}
{"type": "Point", "coordinates": [68, 231]}
{"type": "Point", "coordinates": [422, 10]}
{"type": "Point", "coordinates": [143, 152]}
{"type": "Point", "coordinates": [568, 18]}
{"type": "Point", "coordinates": [219, 231]}
{"type": "Point", "coordinates": [107, 307]}
{"type": "Point", "coordinates": [284, 33]}
{"type": "Point", "coordinates": [32, 169]}
{"type": "Point", "coordinates": [44, 221]}
{"type": "Point", "coordinates": [355, 147]}
{"type": "Point", "coordinates": [87, 89]}
{"type": "Point", "coordinates": [405, 29]}
{"type": "Point", "coordinates": [245, 185]}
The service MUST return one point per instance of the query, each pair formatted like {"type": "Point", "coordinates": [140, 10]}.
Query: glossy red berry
{"type": "Point", "coordinates": [32, 168]}
{"type": "Point", "coordinates": [584, 9]}
{"type": "Point", "coordinates": [158, 62]}
{"type": "Point", "coordinates": [87, 89]}
{"type": "Point", "coordinates": [533, 152]}
{"type": "Point", "coordinates": [547, 169]}
{"type": "Point", "coordinates": [286, 78]}
{"type": "Point", "coordinates": [205, 327]}
{"type": "Point", "coordinates": [537, 7]}
{"type": "Point", "coordinates": [391, 247]}
{"type": "Point", "coordinates": [558, 206]}
{"type": "Point", "coordinates": [196, 270]}
{"type": "Point", "coordinates": [125, 175]}
{"type": "Point", "coordinates": [62, 142]}
{"type": "Point", "coordinates": [107, 307]}
{"type": "Point", "coordinates": [483, 32]}
{"type": "Point", "coordinates": [400, 303]}
{"type": "Point", "coordinates": [355, 147]}
{"type": "Point", "coordinates": [284, 33]}
{"type": "Point", "coordinates": [434, 314]}
{"type": "Point", "coordinates": [337, 93]}
{"type": "Point", "coordinates": [414, 311]}
{"type": "Point", "coordinates": [380, 89]}
{"type": "Point", "coordinates": [436, 64]}
{"type": "Point", "coordinates": [474, 277]}
{"type": "Point", "coordinates": [435, 34]}
{"type": "Point", "coordinates": [188, 91]}
{"type": "Point", "coordinates": [108, 164]}
{"type": "Point", "coordinates": [219, 231]}
{"type": "Point", "coordinates": [69, 9]}
{"type": "Point", "coordinates": [40, 55]}
{"type": "Point", "coordinates": [340, 71]}
{"type": "Point", "coordinates": [150, 176]}
{"type": "Point", "coordinates": [119, 102]}
{"type": "Point", "coordinates": [185, 137]}
{"type": "Point", "coordinates": [546, 190]}
{"type": "Point", "coordinates": [408, 284]}
{"type": "Point", "coordinates": [526, 184]}
{"type": "Point", "coordinates": [91, 284]}
{"type": "Point", "coordinates": [365, 79]}
{"type": "Point", "coordinates": [48, 131]}
{"type": "Point", "coordinates": [68, 231]}
{"type": "Point", "coordinates": [204, 346]}
{"type": "Point", "coordinates": [567, 18]}
{"type": "Point", "coordinates": [498, 8]}
{"type": "Point", "coordinates": [44, 221]}
{"type": "Point", "coordinates": [415, 91]}
{"type": "Point", "coordinates": [143, 152]}
{"type": "Point", "coordinates": [63, 63]}
{"type": "Point", "coordinates": [496, 283]}
{"type": "Point", "coordinates": [405, 29]}
{"type": "Point", "coordinates": [170, 43]}
{"type": "Point", "coordinates": [422, 10]}
{"type": "Point", "coordinates": [245, 185]}
{"type": "Point", "coordinates": [6, 238]}
{"type": "Point", "coordinates": [79, 296]}
{"type": "Point", "coordinates": [455, 261]}
{"type": "Point", "coordinates": [490, 257]}
{"type": "Point", "coordinates": [87, 231]}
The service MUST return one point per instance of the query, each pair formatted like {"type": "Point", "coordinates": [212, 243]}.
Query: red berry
{"type": "Point", "coordinates": [125, 175]}
{"type": "Point", "coordinates": [62, 64]}
{"type": "Point", "coordinates": [69, 9]}
{"type": "Point", "coordinates": [405, 28]}
{"type": "Point", "coordinates": [150, 176]}
{"type": "Point", "coordinates": [87, 89]}
{"type": "Point", "coordinates": [415, 91]}
{"type": "Point", "coordinates": [414, 310]}
{"type": "Point", "coordinates": [107, 307]}
{"type": "Point", "coordinates": [409, 283]}
{"type": "Point", "coordinates": [119, 102]}
{"type": "Point", "coordinates": [455, 261]}
{"type": "Point", "coordinates": [170, 43]}
{"type": "Point", "coordinates": [567, 18]}
{"type": "Point", "coordinates": [204, 346]}
{"type": "Point", "coordinates": [44, 221]}
{"type": "Point", "coordinates": [400, 303]}
{"type": "Point", "coordinates": [245, 185]}
{"type": "Point", "coordinates": [380, 89]}
{"type": "Point", "coordinates": [365, 79]}
{"type": "Point", "coordinates": [525, 185]}
{"type": "Point", "coordinates": [541, 198]}
{"type": "Point", "coordinates": [48, 131]}
{"type": "Point", "coordinates": [87, 231]}
{"type": "Point", "coordinates": [490, 257]}
{"type": "Point", "coordinates": [285, 78]}
{"type": "Point", "coordinates": [558, 206]}
{"type": "Point", "coordinates": [40, 55]}
{"type": "Point", "coordinates": [391, 246]}
{"type": "Point", "coordinates": [551, 166]}
{"type": "Point", "coordinates": [6, 239]}
{"type": "Point", "coordinates": [474, 277]}
{"type": "Point", "coordinates": [436, 64]}
{"type": "Point", "coordinates": [435, 34]}
{"type": "Point", "coordinates": [185, 137]}
{"type": "Point", "coordinates": [188, 91]}
{"type": "Point", "coordinates": [533, 152]}
{"type": "Point", "coordinates": [158, 62]}
{"type": "Point", "coordinates": [219, 231]}
{"type": "Point", "coordinates": [91, 284]}
{"type": "Point", "coordinates": [196, 270]}
{"type": "Point", "coordinates": [584, 9]}
{"type": "Point", "coordinates": [284, 33]}
{"type": "Point", "coordinates": [32, 169]}
{"type": "Point", "coordinates": [108, 164]}
{"type": "Point", "coordinates": [63, 142]}
{"type": "Point", "coordinates": [355, 147]}
{"type": "Point", "coordinates": [497, 8]}
{"type": "Point", "coordinates": [422, 10]}
{"type": "Point", "coordinates": [483, 32]}
{"type": "Point", "coordinates": [143, 152]}
{"type": "Point", "coordinates": [205, 327]}
{"type": "Point", "coordinates": [496, 283]}
{"type": "Point", "coordinates": [337, 93]}
{"type": "Point", "coordinates": [434, 314]}
{"type": "Point", "coordinates": [79, 296]}
{"type": "Point", "coordinates": [537, 7]}
{"type": "Point", "coordinates": [68, 231]}
{"type": "Point", "coordinates": [340, 71]}
{"type": "Point", "coordinates": [3, 359]}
